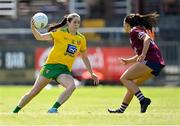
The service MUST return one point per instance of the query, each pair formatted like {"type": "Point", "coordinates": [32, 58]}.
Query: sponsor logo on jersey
{"type": "Point", "coordinates": [71, 50]}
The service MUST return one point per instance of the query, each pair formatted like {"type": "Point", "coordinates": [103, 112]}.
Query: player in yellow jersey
{"type": "Point", "coordinates": [68, 43]}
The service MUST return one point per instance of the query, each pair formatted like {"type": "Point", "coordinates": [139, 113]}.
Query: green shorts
{"type": "Point", "coordinates": [52, 71]}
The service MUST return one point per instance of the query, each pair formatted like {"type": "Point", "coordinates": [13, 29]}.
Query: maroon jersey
{"type": "Point", "coordinates": [136, 39]}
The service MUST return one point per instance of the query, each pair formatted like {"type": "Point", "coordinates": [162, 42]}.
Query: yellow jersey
{"type": "Point", "coordinates": [66, 47]}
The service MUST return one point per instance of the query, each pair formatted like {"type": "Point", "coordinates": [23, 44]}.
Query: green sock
{"type": "Point", "coordinates": [17, 109]}
{"type": "Point", "coordinates": [56, 105]}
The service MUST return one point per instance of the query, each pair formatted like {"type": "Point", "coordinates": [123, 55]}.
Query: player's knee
{"type": "Point", "coordinates": [136, 82]}
{"type": "Point", "coordinates": [122, 79]}
{"type": "Point", "coordinates": [71, 87]}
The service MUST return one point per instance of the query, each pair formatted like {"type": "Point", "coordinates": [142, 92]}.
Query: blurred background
{"type": "Point", "coordinates": [21, 56]}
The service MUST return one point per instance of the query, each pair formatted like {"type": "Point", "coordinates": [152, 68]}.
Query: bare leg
{"type": "Point", "coordinates": [133, 76]}
{"type": "Point", "coordinates": [67, 82]}
{"type": "Point", "coordinates": [134, 72]}
{"type": "Point", "coordinates": [128, 96]}
{"type": "Point", "coordinates": [39, 84]}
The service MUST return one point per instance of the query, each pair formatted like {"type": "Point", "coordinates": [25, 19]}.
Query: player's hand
{"type": "Point", "coordinates": [141, 58]}
{"type": "Point", "coordinates": [32, 23]}
{"type": "Point", "coordinates": [95, 78]}
{"type": "Point", "coordinates": [123, 61]}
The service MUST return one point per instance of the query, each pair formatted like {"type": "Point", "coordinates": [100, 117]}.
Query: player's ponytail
{"type": "Point", "coordinates": [61, 24]}
{"type": "Point", "coordinates": [67, 18]}
{"type": "Point", "coordinates": [147, 21]}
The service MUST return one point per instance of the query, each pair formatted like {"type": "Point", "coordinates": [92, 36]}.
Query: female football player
{"type": "Point", "coordinates": [147, 62]}
{"type": "Point", "coordinates": [68, 43]}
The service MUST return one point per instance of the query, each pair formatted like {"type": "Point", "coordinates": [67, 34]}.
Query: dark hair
{"type": "Point", "coordinates": [147, 21]}
{"type": "Point", "coordinates": [66, 18]}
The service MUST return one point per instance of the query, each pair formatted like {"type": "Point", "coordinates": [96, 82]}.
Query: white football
{"type": "Point", "coordinates": [40, 20]}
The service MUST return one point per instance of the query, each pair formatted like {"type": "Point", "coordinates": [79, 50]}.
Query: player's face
{"type": "Point", "coordinates": [127, 27]}
{"type": "Point", "coordinates": [75, 23]}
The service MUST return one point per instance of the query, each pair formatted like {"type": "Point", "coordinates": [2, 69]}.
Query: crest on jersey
{"type": "Point", "coordinates": [78, 42]}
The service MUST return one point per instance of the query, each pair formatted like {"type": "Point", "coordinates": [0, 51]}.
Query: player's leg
{"type": "Point", "coordinates": [129, 96]}
{"type": "Point", "coordinates": [132, 73]}
{"type": "Point", "coordinates": [39, 84]}
{"type": "Point", "coordinates": [66, 81]}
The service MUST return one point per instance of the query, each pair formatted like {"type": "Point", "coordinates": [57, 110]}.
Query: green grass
{"type": "Point", "coordinates": [88, 106]}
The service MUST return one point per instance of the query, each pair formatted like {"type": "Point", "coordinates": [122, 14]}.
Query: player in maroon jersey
{"type": "Point", "coordinates": [147, 62]}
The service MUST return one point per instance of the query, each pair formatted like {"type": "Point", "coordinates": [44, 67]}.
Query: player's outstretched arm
{"type": "Point", "coordinates": [38, 35]}
{"type": "Point", "coordinates": [126, 61]}
{"type": "Point", "coordinates": [88, 66]}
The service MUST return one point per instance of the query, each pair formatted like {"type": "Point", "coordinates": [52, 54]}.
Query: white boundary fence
{"type": "Point", "coordinates": [8, 8]}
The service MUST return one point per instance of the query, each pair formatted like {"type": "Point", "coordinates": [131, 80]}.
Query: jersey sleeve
{"type": "Point", "coordinates": [83, 45]}
{"type": "Point", "coordinates": [55, 33]}
{"type": "Point", "coordinates": [142, 35]}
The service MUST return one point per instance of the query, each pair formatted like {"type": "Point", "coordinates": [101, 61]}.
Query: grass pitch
{"type": "Point", "coordinates": [88, 106]}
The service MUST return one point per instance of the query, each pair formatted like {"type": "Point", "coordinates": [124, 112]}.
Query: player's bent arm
{"type": "Point", "coordinates": [146, 44]}
{"type": "Point", "coordinates": [38, 35]}
{"type": "Point", "coordinates": [41, 37]}
{"type": "Point", "coordinates": [88, 66]}
{"type": "Point", "coordinates": [86, 61]}
{"type": "Point", "coordinates": [46, 37]}
{"type": "Point", "coordinates": [132, 59]}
